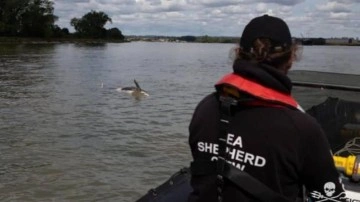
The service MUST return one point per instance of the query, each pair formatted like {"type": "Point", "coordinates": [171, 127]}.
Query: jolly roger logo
{"type": "Point", "coordinates": [329, 190]}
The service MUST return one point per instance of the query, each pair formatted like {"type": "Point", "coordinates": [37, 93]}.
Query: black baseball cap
{"type": "Point", "coordinates": [266, 26]}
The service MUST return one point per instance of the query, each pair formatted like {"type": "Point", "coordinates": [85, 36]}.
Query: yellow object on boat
{"type": "Point", "coordinates": [350, 166]}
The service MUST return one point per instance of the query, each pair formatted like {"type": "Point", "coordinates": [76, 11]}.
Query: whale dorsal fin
{"type": "Point", "coordinates": [137, 85]}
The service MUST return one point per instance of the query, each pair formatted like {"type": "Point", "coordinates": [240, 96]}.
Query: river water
{"type": "Point", "coordinates": [66, 134]}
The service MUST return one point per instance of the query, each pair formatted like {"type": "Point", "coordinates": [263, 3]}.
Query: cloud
{"type": "Point", "coordinates": [335, 7]}
{"type": "Point", "coordinates": [160, 6]}
{"type": "Point", "coordinates": [346, 1]}
{"type": "Point", "coordinates": [216, 3]}
{"type": "Point", "coordinates": [215, 17]}
{"type": "Point", "coordinates": [282, 2]}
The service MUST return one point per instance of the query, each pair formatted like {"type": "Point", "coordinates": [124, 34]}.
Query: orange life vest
{"type": "Point", "coordinates": [257, 90]}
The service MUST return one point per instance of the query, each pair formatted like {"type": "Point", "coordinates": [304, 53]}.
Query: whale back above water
{"type": "Point", "coordinates": [135, 91]}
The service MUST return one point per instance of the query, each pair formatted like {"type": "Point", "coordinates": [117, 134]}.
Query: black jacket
{"type": "Point", "coordinates": [282, 147]}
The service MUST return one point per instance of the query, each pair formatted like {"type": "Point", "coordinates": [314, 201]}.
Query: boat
{"type": "Point", "coordinates": [330, 98]}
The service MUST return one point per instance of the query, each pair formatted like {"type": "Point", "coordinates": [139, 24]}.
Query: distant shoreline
{"type": "Point", "coordinates": [339, 44]}
{"type": "Point", "coordinates": [23, 40]}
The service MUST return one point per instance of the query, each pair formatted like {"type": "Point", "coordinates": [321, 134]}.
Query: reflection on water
{"type": "Point", "coordinates": [68, 135]}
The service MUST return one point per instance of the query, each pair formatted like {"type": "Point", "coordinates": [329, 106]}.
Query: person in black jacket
{"type": "Point", "coordinates": [268, 148]}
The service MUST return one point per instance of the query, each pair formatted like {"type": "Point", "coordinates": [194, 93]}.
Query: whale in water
{"type": "Point", "coordinates": [135, 91]}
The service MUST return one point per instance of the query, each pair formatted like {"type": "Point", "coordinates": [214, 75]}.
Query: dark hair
{"type": "Point", "coordinates": [263, 51]}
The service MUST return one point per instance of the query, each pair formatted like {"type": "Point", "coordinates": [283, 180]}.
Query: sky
{"type": "Point", "coordinates": [306, 18]}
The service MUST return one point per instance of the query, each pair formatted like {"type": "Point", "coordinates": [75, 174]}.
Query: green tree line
{"type": "Point", "coordinates": [35, 18]}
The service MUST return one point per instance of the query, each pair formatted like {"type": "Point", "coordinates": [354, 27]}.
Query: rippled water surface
{"type": "Point", "coordinates": [66, 134]}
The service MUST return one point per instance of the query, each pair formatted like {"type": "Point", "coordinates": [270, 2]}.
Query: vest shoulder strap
{"type": "Point", "coordinates": [241, 179]}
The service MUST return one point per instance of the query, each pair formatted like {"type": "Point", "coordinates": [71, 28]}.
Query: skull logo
{"type": "Point", "coordinates": [329, 189]}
